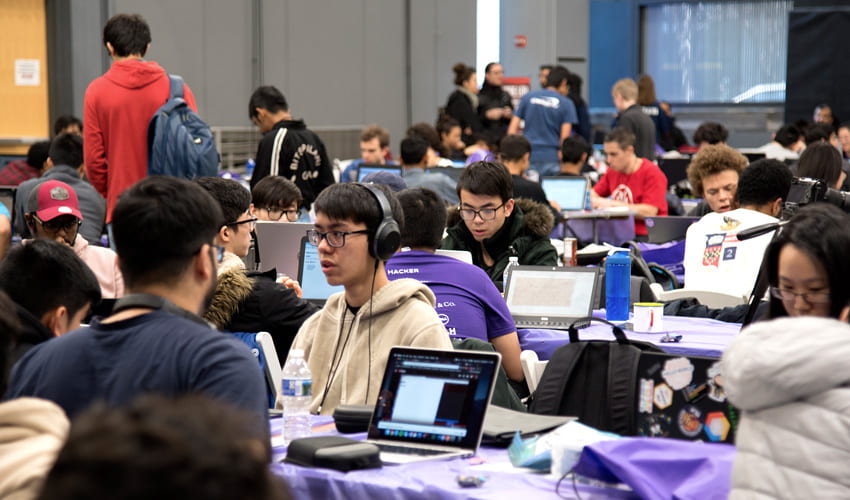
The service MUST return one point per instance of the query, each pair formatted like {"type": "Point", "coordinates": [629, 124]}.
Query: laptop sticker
{"type": "Point", "coordinates": [715, 384]}
{"type": "Point", "coordinates": [689, 421]}
{"type": "Point", "coordinates": [646, 395]}
{"type": "Point", "coordinates": [678, 372]}
{"type": "Point", "coordinates": [656, 425]}
{"type": "Point", "coordinates": [663, 396]}
{"type": "Point", "coordinates": [716, 426]}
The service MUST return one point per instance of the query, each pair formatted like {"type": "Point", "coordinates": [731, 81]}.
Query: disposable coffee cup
{"type": "Point", "coordinates": [648, 317]}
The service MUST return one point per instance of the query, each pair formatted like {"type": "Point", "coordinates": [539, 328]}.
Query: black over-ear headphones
{"type": "Point", "coordinates": [387, 237]}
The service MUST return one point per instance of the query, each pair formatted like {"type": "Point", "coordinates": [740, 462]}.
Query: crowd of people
{"type": "Point", "coordinates": [156, 268]}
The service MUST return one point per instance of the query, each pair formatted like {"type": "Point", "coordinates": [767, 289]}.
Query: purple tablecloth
{"type": "Point", "coordinates": [700, 337]}
{"type": "Point", "coordinates": [427, 480]}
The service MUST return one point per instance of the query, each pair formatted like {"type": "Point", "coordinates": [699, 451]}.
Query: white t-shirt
{"type": "Point", "coordinates": [775, 151]}
{"type": "Point", "coordinates": [716, 260]}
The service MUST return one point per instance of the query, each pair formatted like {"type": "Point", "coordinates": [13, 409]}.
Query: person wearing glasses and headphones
{"type": "Point", "coordinates": [493, 226]}
{"type": "Point", "coordinates": [53, 213]}
{"type": "Point", "coordinates": [347, 343]}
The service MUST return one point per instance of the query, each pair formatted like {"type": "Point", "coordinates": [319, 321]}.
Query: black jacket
{"type": "Point", "coordinates": [254, 302]}
{"type": "Point", "coordinates": [33, 332]}
{"type": "Point", "coordinates": [299, 155]}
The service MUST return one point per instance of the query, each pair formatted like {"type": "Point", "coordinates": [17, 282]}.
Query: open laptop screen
{"type": "Point", "coordinates": [551, 291]}
{"type": "Point", "coordinates": [367, 168]}
{"type": "Point", "coordinates": [568, 192]}
{"type": "Point", "coordinates": [314, 286]}
{"type": "Point", "coordinates": [434, 397]}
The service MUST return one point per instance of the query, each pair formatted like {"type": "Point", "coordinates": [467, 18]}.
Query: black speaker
{"type": "Point", "coordinates": [387, 237]}
{"type": "Point", "coordinates": [818, 66]}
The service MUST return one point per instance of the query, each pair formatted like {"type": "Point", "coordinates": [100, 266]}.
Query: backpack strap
{"type": "Point", "coordinates": [176, 83]}
{"type": "Point", "coordinates": [550, 392]}
{"type": "Point", "coordinates": [622, 383]}
{"type": "Point", "coordinates": [619, 334]}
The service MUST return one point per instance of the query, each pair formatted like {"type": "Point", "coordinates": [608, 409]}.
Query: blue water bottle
{"type": "Point", "coordinates": [618, 270]}
{"type": "Point", "coordinates": [249, 168]}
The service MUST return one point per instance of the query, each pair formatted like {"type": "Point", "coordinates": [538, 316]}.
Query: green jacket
{"type": "Point", "coordinates": [525, 234]}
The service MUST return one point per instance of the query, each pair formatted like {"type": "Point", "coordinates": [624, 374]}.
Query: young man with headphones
{"type": "Point", "coordinates": [346, 344]}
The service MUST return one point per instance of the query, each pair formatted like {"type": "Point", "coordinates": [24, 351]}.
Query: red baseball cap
{"type": "Point", "coordinates": [50, 199]}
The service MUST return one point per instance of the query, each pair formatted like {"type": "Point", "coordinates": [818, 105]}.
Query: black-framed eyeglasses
{"type": "Point", "coordinates": [252, 223]}
{"type": "Point", "coordinates": [819, 297]}
{"type": "Point", "coordinates": [484, 213]}
{"type": "Point", "coordinates": [219, 253]}
{"type": "Point", "coordinates": [60, 223]}
{"type": "Point", "coordinates": [335, 239]}
{"type": "Point", "coordinates": [275, 213]}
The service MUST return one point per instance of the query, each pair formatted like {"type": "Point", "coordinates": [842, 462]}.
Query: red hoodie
{"type": "Point", "coordinates": [118, 107]}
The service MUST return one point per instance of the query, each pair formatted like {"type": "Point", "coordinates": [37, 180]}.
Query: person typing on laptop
{"type": "Point", "coordinates": [247, 301]}
{"type": "Point", "coordinates": [347, 343]}
{"type": "Point", "coordinates": [494, 227]}
{"type": "Point", "coordinates": [466, 298]}
{"type": "Point", "coordinates": [631, 182]}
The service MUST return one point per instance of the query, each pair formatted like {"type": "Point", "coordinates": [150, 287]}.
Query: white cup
{"type": "Point", "coordinates": [648, 317]}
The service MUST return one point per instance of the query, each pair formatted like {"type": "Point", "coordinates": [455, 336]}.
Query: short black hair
{"type": "Point", "coordinates": [353, 201]}
{"type": "Point", "coordinates": [573, 148]}
{"type": "Point", "coordinates": [129, 34]}
{"type": "Point", "coordinates": [413, 150]}
{"type": "Point", "coordinates": [763, 182]}
{"type": "Point", "coordinates": [788, 135]}
{"type": "Point", "coordinates": [429, 133]}
{"type": "Point", "coordinates": [159, 224]}
{"type": "Point", "coordinates": [42, 275]}
{"type": "Point", "coordinates": [821, 161]}
{"type": "Point", "coordinates": [269, 98]}
{"type": "Point", "coordinates": [37, 154]}
{"type": "Point", "coordinates": [486, 178]}
{"type": "Point", "coordinates": [557, 75]}
{"type": "Point", "coordinates": [233, 199]}
{"type": "Point", "coordinates": [622, 136]}
{"type": "Point", "coordinates": [66, 149]}
{"type": "Point", "coordinates": [822, 232]}
{"type": "Point", "coordinates": [424, 217]}
{"type": "Point", "coordinates": [192, 447]}
{"type": "Point", "coordinates": [513, 147]}
{"type": "Point", "coordinates": [710, 132]}
{"type": "Point", "coordinates": [275, 191]}
{"type": "Point", "coordinates": [445, 124]}
{"type": "Point", "coordinates": [66, 121]}
{"type": "Point", "coordinates": [10, 330]}
{"type": "Point", "coordinates": [818, 132]}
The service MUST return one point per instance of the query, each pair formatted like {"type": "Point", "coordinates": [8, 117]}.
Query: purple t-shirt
{"type": "Point", "coordinates": [468, 303]}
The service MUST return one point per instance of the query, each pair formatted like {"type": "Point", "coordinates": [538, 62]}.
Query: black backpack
{"type": "Point", "coordinates": [594, 381]}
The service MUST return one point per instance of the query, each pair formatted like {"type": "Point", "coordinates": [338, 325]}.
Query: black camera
{"type": "Point", "coordinates": [805, 190]}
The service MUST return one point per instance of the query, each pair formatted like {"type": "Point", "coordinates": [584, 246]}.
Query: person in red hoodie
{"type": "Point", "coordinates": [118, 107]}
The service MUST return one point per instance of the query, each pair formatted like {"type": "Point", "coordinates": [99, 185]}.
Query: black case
{"type": "Point", "coordinates": [353, 418]}
{"type": "Point", "coordinates": [333, 452]}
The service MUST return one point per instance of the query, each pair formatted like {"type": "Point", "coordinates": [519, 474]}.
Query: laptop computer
{"type": "Point", "coordinates": [662, 229]}
{"type": "Point", "coordinates": [682, 397]}
{"type": "Point", "coordinates": [676, 169]}
{"type": "Point", "coordinates": [432, 404]}
{"type": "Point", "coordinates": [278, 244]}
{"type": "Point", "coordinates": [367, 168]}
{"type": "Point", "coordinates": [570, 192]}
{"type": "Point", "coordinates": [314, 286]}
{"type": "Point", "coordinates": [550, 297]}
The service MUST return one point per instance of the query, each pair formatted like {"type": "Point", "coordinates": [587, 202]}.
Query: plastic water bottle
{"type": "Point", "coordinates": [512, 261]}
{"type": "Point", "coordinates": [249, 168]}
{"type": "Point", "coordinates": [296, 396]}
{"type": "Point", "coordinates": [618, 270]}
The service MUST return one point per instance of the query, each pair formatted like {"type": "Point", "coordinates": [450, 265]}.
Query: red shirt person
{"type": "Point", "coordinates": [631, 182]}
{"type": "Point", "coordinates": [118, 107]}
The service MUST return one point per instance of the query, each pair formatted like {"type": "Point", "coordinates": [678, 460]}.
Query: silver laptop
{"type": "Point", "coordinates": [661, 229]}
{"type": "Point", "coordinates": [569, 192]}
{"type": "Point", "coordinates": [278, 243]}
{"type": "Point", "coordinates": [550, 297]}
{"type": "Point", "coordinates": [314, 286]}
{"type": "Point", "coordinates": [432, 404]}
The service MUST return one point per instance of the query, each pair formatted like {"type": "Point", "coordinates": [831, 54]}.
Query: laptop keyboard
{"type": "Point", "coordinates": [390, 448]}
{"type": "Point", "coordinates": [552, 325]}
